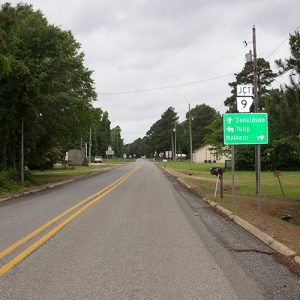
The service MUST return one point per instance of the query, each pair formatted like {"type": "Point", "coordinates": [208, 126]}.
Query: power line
{"type": "Point", "coordinates": [264, 12]}
{"type": "Point", "coordinates": [166, 87]}
{"type": "Point", "coordinates": [261, 16]}
{"type": "Point", "coordinates": [273, 51]}
{"type": "Point", "coordinates": [193, 82]}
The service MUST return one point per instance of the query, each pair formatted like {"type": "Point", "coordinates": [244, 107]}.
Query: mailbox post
{"type": "Point", "coordinates": [219, 173]}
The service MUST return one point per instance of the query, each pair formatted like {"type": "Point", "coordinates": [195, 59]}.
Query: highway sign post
{"type": "Point", "coordinates": [245, 129]}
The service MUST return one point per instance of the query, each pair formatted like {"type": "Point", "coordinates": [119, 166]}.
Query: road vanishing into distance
{"type": "Point", "coordinates": [131, 233]}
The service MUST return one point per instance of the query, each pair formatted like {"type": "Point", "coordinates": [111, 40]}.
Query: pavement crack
{"type": "Point", "coordinates": [251, 250]}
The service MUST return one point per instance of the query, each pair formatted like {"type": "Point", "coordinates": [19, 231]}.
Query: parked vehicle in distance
{"type": "Point", "coordinates": [98, 159]}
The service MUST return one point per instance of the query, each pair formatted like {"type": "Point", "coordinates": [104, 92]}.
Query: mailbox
{"type": "Point", "coordinates": [216, 171]}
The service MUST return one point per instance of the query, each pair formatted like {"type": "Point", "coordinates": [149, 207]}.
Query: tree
{"type": "Point", "coordinates": [8, 21]}
{"type": "Point", "coordinates": [160, 134]}
{"type": "Point", "coordinates": [105, 133]}
{"type": "Point", "coordinates": [293, 62]}
{"type": "Point", "coordinates": [244, 155]}
{"type": "Point", "coordinates": [48, 89]}
{"type": "Point", "coordinates": [116, 141]}
{"type": "Point", "coordinates": [265, 77]}
{"type": "Point", "coordinates": [283, 107]}
{"type": "Point", "coordinates": [201, 117]}
{"type": "Point", "coordinates": [215, 136]}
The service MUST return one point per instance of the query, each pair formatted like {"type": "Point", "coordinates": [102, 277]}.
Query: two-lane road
{"type": "Point", "coordinates": [131, 233]}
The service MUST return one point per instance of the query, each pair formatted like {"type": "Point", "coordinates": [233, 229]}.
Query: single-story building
{"type": "Point", "coordinates": [207, 154]}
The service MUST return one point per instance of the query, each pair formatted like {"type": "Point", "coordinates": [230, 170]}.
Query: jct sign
{"type": "Point", "coordinates": [245, 129]}
{"type": "Point", "coordinates": [244, 97]}
{"type": "Point", "coordinates": [244, 90]}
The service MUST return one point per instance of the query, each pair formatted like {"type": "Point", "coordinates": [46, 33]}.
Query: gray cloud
{"type": "Point", "coordinates": [141, 44]}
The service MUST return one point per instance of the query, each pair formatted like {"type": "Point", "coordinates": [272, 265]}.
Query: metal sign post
{"type": "Point", "coordinates": [246, 129]}
{"type": "Point", "coordinates": [233, 178]}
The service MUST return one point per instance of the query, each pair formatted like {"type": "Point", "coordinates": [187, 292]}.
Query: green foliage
{"type": "Point", "coordinates": [160, 134]}
{"type": "Point", "coordinates": [8, 180]}
{"type": "Point", "coordinates": [100, 125]}
{"type": "Point", "coordinates": [201, 117]}
{"type": "Point", "coordinates": [138, 147]}
{"type": "Point", "coordinates": [283, 154]}
{"type": "Point", "coordinates": [116, 141]}
{"type": "Point", "coordinates": [292, 63]}
{"type": "Point", "coordinates": [283, 108]}
{"type": "Point", "coordinates": [215, 136]}
{"type": "Point", "coordinates": [106, 132]}
{"type": "Point", "coordinates": [265, 77]}
{"type": "Point", "coordinates": [245, 157]}
{"type": "Point", "coordinates": [43, 83]}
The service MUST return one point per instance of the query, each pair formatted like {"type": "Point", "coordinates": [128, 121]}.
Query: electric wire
{"type": "Point", "coordinates": [192, 82]}
{"type": "Point", "coordinates": [280, 44]}
{"type": "Point", "coordinates": [166, 87]}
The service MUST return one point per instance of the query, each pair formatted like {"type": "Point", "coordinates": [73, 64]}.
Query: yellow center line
{"type": "Point", "coordinates": [48, 235]}
{"type": "Point", "coordinates": [43, 227]}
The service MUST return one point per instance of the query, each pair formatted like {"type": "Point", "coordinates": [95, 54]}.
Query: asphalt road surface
{"type": "Point", "coordinates": [131, 233]}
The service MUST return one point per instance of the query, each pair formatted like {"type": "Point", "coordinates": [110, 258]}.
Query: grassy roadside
{"type": "Point", "coordinates": [9, 185]}
{"type": "Point", "coordinates": [273, 203]}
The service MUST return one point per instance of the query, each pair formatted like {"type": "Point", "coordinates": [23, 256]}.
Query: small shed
{"type": "Point", "coordinates": [207, 154]}
{"type": "Point", "coordinates": [76, 157]}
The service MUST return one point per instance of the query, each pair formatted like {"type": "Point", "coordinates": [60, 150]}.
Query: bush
{"type": "Point", "coordinates": [9, 180]}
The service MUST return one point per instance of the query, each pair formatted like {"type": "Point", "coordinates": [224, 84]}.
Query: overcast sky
{"type": "Point", "coordinates": [134, 45]}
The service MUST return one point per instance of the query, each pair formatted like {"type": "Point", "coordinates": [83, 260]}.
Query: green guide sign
{"type": "Point", "coordinates": [245, 129]}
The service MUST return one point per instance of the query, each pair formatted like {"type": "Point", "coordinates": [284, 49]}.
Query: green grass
{"type": "Point", "coordinates": [38, 178]}
{"type": "Point", "coordinates": [273, 204]}
{"type": "Point", "coordinates": [245, 180]}
{"type": "Point", "coordinates": [185, 165]}
{"type": "Point", "coordinates": [48, 176]}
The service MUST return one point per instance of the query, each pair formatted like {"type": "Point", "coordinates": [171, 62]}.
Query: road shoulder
{"type": "Point", "coordinates": [291, 258]}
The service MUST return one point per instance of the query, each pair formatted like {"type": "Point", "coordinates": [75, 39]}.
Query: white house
{"type": "Point", "coordinates": [207, 153]}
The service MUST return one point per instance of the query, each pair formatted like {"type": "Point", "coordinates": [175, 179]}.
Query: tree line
{"type": "Point", "coordinates": [46, 93]}
{"type": "Point", "coordinates": [282, 106]}
{"type": "Point", "coordinates": [162, 134]}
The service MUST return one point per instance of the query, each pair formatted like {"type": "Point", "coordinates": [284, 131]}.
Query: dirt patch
{"type": "Point", "coordinates": [289, 262]}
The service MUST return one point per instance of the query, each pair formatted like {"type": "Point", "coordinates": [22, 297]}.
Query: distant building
{"type": "Point", "coordinates": [207, 154]}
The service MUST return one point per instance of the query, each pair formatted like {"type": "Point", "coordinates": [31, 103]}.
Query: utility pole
{"type": "Point", "coordinates": [175, 141]}
{"type": "Point", "coordinates": [90, 146]}
{"type": "Point", "coordinates": [22, 149]}
{"type": "Point", "coordinates": [191, 142]}
{"type": "Point", "coordinates": [172, 142]}
{"type": "Point", "coordinates": [256, 109]}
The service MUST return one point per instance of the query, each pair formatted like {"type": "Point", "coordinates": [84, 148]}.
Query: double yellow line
{"type": "Point", "coordinates": [83, 205]}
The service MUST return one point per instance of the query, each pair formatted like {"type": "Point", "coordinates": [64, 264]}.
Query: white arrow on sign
{"type": "Point", "coordinates": [230, 129]}
{"type": "Point", "coordinates": [260, 137]}
{"type": "Point", "coordinates": [229, 120]}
